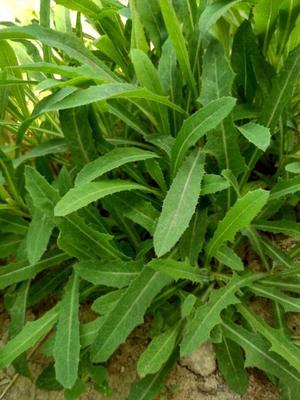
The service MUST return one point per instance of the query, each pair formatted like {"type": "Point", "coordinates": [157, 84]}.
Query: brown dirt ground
{"type": "Point", "coordinates": [182, 384]}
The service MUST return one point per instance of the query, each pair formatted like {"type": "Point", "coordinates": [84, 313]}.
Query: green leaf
{"type": "Point", "coordinates": [47, 381]}
{"type": "Point", "coordinates": [193, 238]}
{"type": "Point", "coordinates": [197, 125]}
{"type": "Point", "coordinates": [207, 316]}
{"type": "Point", "coordinates": [52, 146]}
{"type": "Point", "coordinates": [257, 134]}
{"type": "Point", "coordinates": [229, 258]}
{"type": "Point", "coordinates": [293, 167]}
{"type": "Point", "coordinates": [78, 135]}
{"type": "Point", "coordinates": [171, 79]}
{"type": "Point", "coordinates": [244, 51]}
{"type": "Point", "coordinates": [179, 204]}
{"type": "Point", "coordinates": [285, 187]}
{"type": "Point", "coordinates": [128, 313]}
{"type": "Point", "coordinates": [278, 256]}
{"type": "Point", "coordinates": [288, 228]}
{"type": "Point", "coordinates": [178, 41]}
{"type": "Point", "coordinates": [258, 355]}
{"type": "Point", "coordinates": [9, 244]}
{"type": "Point", "coordinates": [22, 270]}
{"type": "Point", "coordinates": [81, 240]}
{"type": "Point", "coordinates": [265, 13]}
{"type": "Point", "coordinates": [279, 342]}
{"type": "Point", "coordinates": [67, 342]}
{"type": "Point", "coordinates": [103, 92]}
{"type": "Point", "coordinates": [179, 270]}
{"type": "Point", "coordinates": [158, 352]}
{"type": "Point", "coordinates": [109, 161]}
{"type": "Point", "coordinates": [217, 80]}
{"type": "Point", "coordinates": [239, 216]}
{"type": "Point", "coordinates": [32, 332]}
{"type": "Point", "coordinates": [38, 235]}
{"type": "Point", "coordinates": [213, 183]}
{"type": "Point", "coordinates": [67, 43]}
{"type": "Point", "coordinates": [213, 12]}
{"type": "Point", "coordinates": [138, 39]}
{"type": "Point", "coordinates": [187, 305]}
{"type": "Point", "coordinates": [138, 210]}
{"type": "Point", "coordinates": [104, 304]}
{"type": "Point", "coordinates": [17, 313]}
{"type": "Point", "coordinates": [76, 237]}
{"type": "Point", "coordinates": [290, 304]}
{"type": "Point", "coordinates": [75, 391]}
{"type": "Point", "coordinates": [8, 61]}
{"type": "Point", "coordinates": [155, 171]}
{"type": "Point", "coordinates": [12, 223]}
{"type": "Point", "coordinates": [82, 195]}
{"type": "Point", "coordinates": [231, 364]}
{"type": "Point", "coordinates": [151, 18]}
{"type": "Point", "coordinates": [149, 387]}
{"type": "Point", "coordinates": [282, 90]}
{"type": "Point", "coordinates": [116, 274]}
{"type": "Point", "coordinates": [148, 77]}
{"type": "Point", "coordinates": [44, 196]}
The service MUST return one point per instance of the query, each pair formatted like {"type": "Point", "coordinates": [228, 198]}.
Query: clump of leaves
{"type": "Point", "coordinates": [141, 162]}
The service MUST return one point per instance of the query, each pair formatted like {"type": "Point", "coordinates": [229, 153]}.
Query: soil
{"type": "Point", "coordinates": [182, 384]}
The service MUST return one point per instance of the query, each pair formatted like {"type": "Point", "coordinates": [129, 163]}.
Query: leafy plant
{"type": "Point", "coordinates": [139, 160]}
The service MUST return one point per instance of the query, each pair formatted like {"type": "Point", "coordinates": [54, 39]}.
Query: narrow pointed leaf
{"type": "Point", "coordinates": [38, 235]}
{"type": "Point", "coordinates": [149, 387]}
{"type": "Point", "coordinates": [290, 304]}
{"type": "Point", "coordinates": [179, 270]}
{"type": "Point", "coordinates": [197, 125]}
{"type": "Point", "coordinates": [288, 228]}
{"type": "Point", "coordinates": [78, 134]}
{"type": "Point", "coordinates": [258, 355]}
{"type": "Point", "coordinates": [178, 41]}
{"type": "Point", "coordinates": [279, 342]}
{"type": "Point", "coordinates": [82, 195]}
{"type": "Point", "coordinates": [293, 167]}
{"type": "Point", "coordinates": [229, 258]}
{"type": "Point", "coordinates": [116, 274]}
{"type": "Point", "coordinates": [68, 43]}
{"type": "Point", "coordinates": [67, 342]}
{"type": "Point", "coordinates": [231, 364]}
{"type": "Point", "coordinates": [104, 304]}
{"type": "Point", "coordinates": [285, 187]}
{"type": "Point", "coordinates": [213, 12]}
{"type": "Point", "coordinates": [207, 316]}
{"type": "Point", "coordinates": [138, 210]}
{"type": "Point", "coordinates": [81, 97]}
{"type": "Point", "coordinates": [239, 216]}
{"type": "Point", "coordinates": [32, 332]}
{"type": "Point", "coordinates": [179, 204]}
{"type": "Point", "coordinates": [12, 223]}
{"type": "Point", "coordinates": [22, 270]}
{"type": "Point", "coordinates": [78, 239]}
{"type": "Point", "coordinates": [158, 352]}
{"type": "Point", "coordinates": [128, 313]}
{"type": "Point", "coordinates": [213, 183]}
{"type": "Point", "coordinates": [193, 238]}
{"type": "Point", "coordinates": [257, 134]}
{"type": "Point", "coordinates": [217, 80]}
{"type": "Point", "coordinates": [44, 196]}
{"type": "Point", "coordinates": [282, 90]}
{"type": "Point", "coordinates": [114, 159]}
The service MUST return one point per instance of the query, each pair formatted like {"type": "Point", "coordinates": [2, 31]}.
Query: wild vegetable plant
{"type": "Point", "coordinates": [141, 163]}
